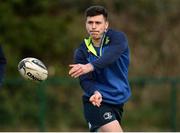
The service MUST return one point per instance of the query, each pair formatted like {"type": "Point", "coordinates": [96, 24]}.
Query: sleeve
{"type": "Point", "coordinates": [2, 65]}
{"type": "Point", "coordinates": [116, 47]}
{"type": "Point", "coordinates": [86, 81]}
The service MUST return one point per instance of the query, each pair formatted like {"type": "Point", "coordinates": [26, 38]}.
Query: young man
{"type": "Point", "coordinates": [2, 65]}
{"type": "Point", "coordinates": [102, 62]}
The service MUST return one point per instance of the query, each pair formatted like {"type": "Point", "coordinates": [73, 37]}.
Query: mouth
{"type": "Point", "coordinates": [94, 32]}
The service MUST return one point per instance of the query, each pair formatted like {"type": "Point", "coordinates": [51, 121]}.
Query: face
{"type": "Point", "coordinates": [96, 26]}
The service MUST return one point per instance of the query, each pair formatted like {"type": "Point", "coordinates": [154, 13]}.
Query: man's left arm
{"type": "Point", "coordinates": [118, 45]}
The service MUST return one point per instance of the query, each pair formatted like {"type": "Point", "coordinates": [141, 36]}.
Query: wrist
{"type": "Point", "coordinates": [98, 93]}
{"type": "Point", "coordinates": [90, 67]}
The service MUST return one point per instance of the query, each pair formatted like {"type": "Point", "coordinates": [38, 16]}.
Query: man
{"type": "Point", "coordinates": [102, 62]}
{"type": "Point", "coordinates": [2, 65]}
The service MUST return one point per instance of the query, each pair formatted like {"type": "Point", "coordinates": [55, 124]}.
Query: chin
{"type": "Point", "coordinates": [95, 37]}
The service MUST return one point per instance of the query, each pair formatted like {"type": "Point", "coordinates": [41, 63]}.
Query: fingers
{"type": "Point", "coordinates": [77, 73]}
{"type": "Point", "coordinates": [72, 65]}
{"type": "Point", "coordinates": [96, 103]}
{"type": "Point", "coordinates": [76, 70]}
{"type": "Point", "coordinates": [79, 69]}
{"type": "Point", "coordinates": [96, 100]}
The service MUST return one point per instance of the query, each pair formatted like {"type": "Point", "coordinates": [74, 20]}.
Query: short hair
{"type": "Point", "coordinates": [96, 10]}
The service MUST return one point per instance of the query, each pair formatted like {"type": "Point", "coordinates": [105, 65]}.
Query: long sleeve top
{"type": "Point", "coordinates": [110, 62]}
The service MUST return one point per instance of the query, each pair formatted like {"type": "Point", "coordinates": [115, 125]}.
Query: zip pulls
{"type": "Point", "coordinates": [101, 44]}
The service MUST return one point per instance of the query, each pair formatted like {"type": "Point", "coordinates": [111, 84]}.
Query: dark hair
{"type": "Point", "coordinates": [96, 10]}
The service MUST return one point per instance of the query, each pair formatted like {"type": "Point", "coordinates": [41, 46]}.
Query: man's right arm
{"type": "Point", "coordinates": [86, 81]}
{"type": "Point", "coordinates": [118, 45]}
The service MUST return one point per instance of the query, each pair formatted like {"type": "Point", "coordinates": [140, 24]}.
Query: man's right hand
{"type": "Point", "coordinates": [80, 69]}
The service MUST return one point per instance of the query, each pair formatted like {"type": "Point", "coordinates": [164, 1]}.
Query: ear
{"type": "Point", "coordinates": [107, 25]}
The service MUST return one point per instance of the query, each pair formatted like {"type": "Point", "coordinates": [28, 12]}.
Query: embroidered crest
{"type": "Point", "coordinates": [107, 115]}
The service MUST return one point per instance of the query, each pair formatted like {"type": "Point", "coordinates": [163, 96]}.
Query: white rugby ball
{"type": "Point", "coordinates": [33, 69]}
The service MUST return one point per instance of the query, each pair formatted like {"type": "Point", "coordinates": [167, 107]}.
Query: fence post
{"type": "Point", "coordinates": [173, 105]}
{"type": "Point", "coordinates": [41, 93]}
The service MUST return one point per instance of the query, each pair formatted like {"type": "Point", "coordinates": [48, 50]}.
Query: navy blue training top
{"type": "Point", "coordinates": [110, 75]}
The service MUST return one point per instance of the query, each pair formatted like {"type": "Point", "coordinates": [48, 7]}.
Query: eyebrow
{"type": "Point", "coordinates": [90, 21]}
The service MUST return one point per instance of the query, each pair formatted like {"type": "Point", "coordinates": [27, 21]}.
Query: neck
{"type": "Point", "coordinates": [96, 42]}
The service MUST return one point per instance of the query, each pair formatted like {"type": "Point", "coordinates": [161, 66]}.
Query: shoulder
{"type": "Point", "coordinates": [117, 38]}
{"type": "Point", "coordinates": [81, 47]}
{"type": "Point", "coordinates": [81, 50]}
{"type": "Point", "coordinates": [114, 34]}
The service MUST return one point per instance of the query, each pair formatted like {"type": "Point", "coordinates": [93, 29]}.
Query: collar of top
{"type": "Point", "coordinates": [90, 47]}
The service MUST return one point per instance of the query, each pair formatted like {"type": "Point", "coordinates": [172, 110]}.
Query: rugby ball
{"type": "Point", "coordinates": [33, 69]}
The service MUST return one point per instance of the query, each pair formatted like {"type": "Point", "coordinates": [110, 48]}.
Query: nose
{"type": "Point", "coordinates": [94, 25]}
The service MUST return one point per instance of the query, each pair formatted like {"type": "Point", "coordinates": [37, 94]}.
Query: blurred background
{"type": "Point", "coordinates": [50, 30]}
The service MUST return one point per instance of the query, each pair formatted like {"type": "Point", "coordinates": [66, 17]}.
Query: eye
{"type": "Point", "coordinates": [90, 22]}
{"type": "Point", "coordinates": [98, 23]}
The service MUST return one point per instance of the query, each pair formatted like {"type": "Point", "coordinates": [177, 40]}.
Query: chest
{"type": "Point", "coordinates": [99, 52]}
